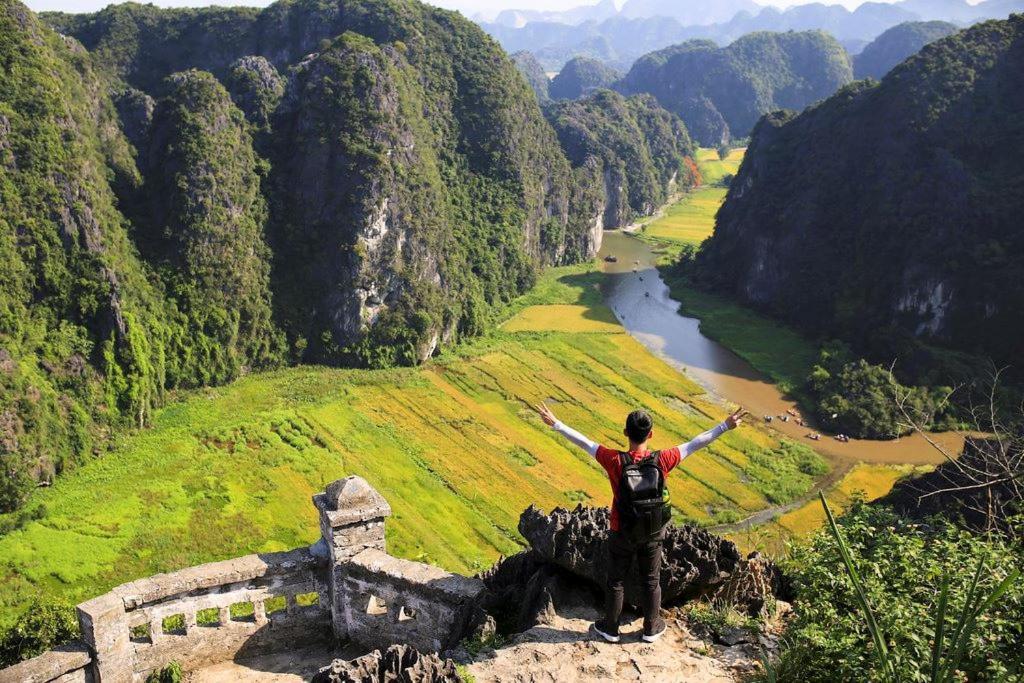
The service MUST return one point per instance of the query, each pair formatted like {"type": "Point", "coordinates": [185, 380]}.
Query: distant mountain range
{"type": "Point", "coordinates": [642, 26]}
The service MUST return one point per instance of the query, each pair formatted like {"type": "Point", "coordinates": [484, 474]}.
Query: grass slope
{"type": "Point", "coordinates": [691, 220]}
{"type": "Point", "coordinates": [453, 445]}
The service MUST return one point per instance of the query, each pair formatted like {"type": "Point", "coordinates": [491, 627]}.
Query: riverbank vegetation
{"type": "Point", "coordinates": [692, 219]}
{"type": "Point", "coordinates": [453, 445]}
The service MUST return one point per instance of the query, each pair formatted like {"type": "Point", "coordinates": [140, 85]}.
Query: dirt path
{"type": "Point", "coordinates": [564, 650]}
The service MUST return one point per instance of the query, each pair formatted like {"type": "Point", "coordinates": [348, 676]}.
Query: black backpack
{"type": "Point", "coordinates": [643, 503]}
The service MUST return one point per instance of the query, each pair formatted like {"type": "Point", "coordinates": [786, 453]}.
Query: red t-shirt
{"type": "Point", "coordinates": [609, 459]}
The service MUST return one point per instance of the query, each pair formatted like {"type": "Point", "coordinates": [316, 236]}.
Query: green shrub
{"type": "Point", "coordinates": [41, 627]}
{"type": "Point", "coordinates": [902, 566]}
{"type": "Point", "coordinates": [857, 398]}
{"type": "Point", "coordinates": [171, 673]}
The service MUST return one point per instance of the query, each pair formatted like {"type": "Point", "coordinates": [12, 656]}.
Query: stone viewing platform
{"type": "Point", "coordinates": [345, 610]}
{"type": "Point", "coordinates": [345, 588]}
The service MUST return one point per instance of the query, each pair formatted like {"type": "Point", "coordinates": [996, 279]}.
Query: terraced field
{"type": "Point", "coordinates": [453, 445]}
{"type": "Point", "coordinates": [691, 220]}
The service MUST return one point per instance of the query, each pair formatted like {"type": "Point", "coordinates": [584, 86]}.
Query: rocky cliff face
{"type": "Point", "coordinates": [204, 233]}
{"type": "Point", "coordinates": [695, 561]}
{"type": "Point", "coordinates": [635, 148]}
{"type": "Point", "coordinates": [706, 85]}
{"type": "Point", "coordinates": [914, 236]}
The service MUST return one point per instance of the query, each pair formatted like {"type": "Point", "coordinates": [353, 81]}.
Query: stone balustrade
{"type": "Point", "coordinates": [345, 587]}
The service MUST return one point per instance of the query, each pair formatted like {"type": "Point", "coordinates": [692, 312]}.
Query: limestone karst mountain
{"type": "Point", "coordinates": [721, 92]}
{"type": "Point", "coordinates": [921, 245]}
{"type": "Point", "coordinates": [896, 44]}
{"type": "Point", "coordinates": [192, 194]}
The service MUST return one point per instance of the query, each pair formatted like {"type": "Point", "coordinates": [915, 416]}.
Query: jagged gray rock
{"type": "Point", "coordinates": [754, 582]}
{"type": "Point", "coordinates": [524, 591]}
{"type": "Point", "coordinates": [397, 663]}
{"type": "Point", "coordinates": [695, 561]}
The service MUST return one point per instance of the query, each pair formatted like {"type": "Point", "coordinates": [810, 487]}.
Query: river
{"type": "Point", "coordinates": [642, 304]}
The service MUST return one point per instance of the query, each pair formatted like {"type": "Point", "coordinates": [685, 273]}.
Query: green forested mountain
{"type": "Point", "coordinates": [637, 150]}
{"type": "Point", "coordinates": [581, 76]}
{"type": "Point", "coordinates": [890, 214]}
{"type": "Point", "coordinates": [84, 328]}
{"type": "Point", "coordinates": [896, 44]}
{"type": "Point", "coordinates": [198, 193]}
{"type": "Point", "coordinates": [534, 74]}
{"type": "Point", "coordinates": [722, 92]}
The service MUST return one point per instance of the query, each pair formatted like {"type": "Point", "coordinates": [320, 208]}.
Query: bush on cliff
{"type": "Point", "coordinates": [902, 564]}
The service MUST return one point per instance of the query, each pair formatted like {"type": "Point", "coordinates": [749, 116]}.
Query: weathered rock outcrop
{"type": "Point", "coordinates": [256, 87]}
{"type": "Point", "coordinates": [695, 561]}
{"type": "Point", "coordinates": [397, 663]}
{"type": "Point", "coordinates": [635, 149]}
{"type": "Point", "coordinates": [525, 590]}
{"type": "Point", "coordinates": [754, 583]}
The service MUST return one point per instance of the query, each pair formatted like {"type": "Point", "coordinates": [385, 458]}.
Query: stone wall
{"type": "Point", "coordinates": [345, 586]}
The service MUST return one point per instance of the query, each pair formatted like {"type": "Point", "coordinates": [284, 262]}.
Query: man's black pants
{"type": "Point", "coordinates": [621, 551]}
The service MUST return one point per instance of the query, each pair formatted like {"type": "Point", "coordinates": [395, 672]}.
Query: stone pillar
{"type": "Point", "coordinates": [104, 626]}
{"type": "Point", "coordinates": [352, 517]}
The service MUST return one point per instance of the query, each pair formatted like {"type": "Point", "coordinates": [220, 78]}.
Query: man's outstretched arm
{"type": "Point", "coordinates": [566, 431]}
{"type": "Point", "coordinates": [701, 440]}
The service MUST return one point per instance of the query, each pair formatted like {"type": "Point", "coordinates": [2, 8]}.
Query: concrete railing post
{"type": "Point", "coordinates": [352, 517]}
{"type": "Point", "coordinates": [104, 625]}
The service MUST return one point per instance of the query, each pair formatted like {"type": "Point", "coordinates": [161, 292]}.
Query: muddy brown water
{"type": "Point", "coordinates": [641, 302]}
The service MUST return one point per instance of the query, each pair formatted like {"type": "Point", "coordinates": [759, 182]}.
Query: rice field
{"type": "Point", "coordinates": [692, 219]}
{"type": "Point", "coordinates": [453, 445]}
{"type": "Point", "coordinates": [865, 481]}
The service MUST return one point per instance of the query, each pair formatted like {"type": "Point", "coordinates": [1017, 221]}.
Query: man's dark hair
{"type": "Point", "coordinates": [638, 425]}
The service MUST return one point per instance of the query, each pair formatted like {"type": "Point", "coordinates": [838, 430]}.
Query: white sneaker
{"type": "Point", "coordinates": [609, 637]}
{"type": "Point", "coordinates": [654, 636]}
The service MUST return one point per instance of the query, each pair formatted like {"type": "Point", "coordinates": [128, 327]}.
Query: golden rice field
{"type": "Point", "coordinates": [865, 480]}
{"type": "Point", "coordinates": [453, 445]}
{"type": "Point", "coordinates": [692, 219]}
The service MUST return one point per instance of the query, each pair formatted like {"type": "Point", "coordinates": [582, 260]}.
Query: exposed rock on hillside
{"type": "Point", "coordinates": [534, 74]}
{"type": "Point", "coordinates": [695, 561]}
{"type": "Point", "coordinates": [758, 73]}
{"type": "Point", "coordinates": [397, 663]}
{"type": "Point", "coordinates": [256, 87]}
{"type": "Point", "coordinates": [205, 233]}
{"type": "Point", "coordinates": [637, 149]}
{"type": "Point", "coordinates": [915, 236]}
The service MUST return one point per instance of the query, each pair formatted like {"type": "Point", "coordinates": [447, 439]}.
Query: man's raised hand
{"type": "Point", "coordinates": [546, 414]}
{"type": "Point", "coordinates": [736, 419]}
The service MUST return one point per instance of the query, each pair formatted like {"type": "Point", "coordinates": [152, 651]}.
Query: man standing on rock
{"type": "Point", "coordinates": [639, 511]}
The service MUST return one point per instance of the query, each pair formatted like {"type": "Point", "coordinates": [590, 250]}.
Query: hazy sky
{"type": "Point", "coordinates": [468, 7]}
